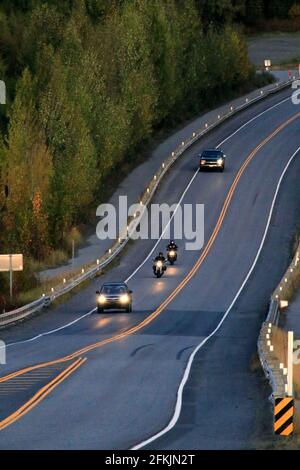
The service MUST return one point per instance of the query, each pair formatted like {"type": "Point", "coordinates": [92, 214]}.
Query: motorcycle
{"type": "Point", "coordinates": [172, 256]}
{"type": "Point", "coordinates": [159, 268]}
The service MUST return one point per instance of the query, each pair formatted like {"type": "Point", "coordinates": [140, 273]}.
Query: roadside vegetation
{"type": "Point", "coordinates": [89, 82]}
{"type": "Point", "coordinates": [254, 16]}
{"type": "Point", "coordinates": [288, 63]}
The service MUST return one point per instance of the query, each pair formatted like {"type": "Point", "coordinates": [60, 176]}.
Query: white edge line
{"type": "Point", "coordinates": [191, 181]}
{"type": "Point", "coordinates": [166, 227]}
{"type": "Point", "coordinates": [187, 371]}
{"type": "Point", "coordinates": [48, 332]}
{"type": "Point", "coordinates": [158, 241]}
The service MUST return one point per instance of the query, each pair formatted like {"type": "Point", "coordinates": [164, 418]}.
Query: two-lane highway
{"type": "Point", "coordinates": [125, 390]}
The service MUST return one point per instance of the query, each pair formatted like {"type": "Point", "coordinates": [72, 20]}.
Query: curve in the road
{"type": "Point", "coordinates": [10, 419]}
{"type": "Point", "coordinates": [187, 371]}
{"type": "Point", "coordinates": [82, 317]}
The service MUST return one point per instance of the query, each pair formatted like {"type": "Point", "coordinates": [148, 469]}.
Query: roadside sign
{"type": "Point", "coordinates": [284, 416]}
{"type": "Point", "coordinates": [267, 63]}
{"type": "Point", "coordinates": [11, 263]}
{"type": "Point", "coordinates": [8, 262]}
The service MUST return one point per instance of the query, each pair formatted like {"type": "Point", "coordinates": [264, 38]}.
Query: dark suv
{"type": "Point", "coordinates": [212, 158]}
{"type": "Point", "coordinates": [114, 295]}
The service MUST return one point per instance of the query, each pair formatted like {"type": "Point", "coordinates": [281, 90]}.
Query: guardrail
{"type": "Point", "coordinates": [275, 371]}
{"type": "Point", "coordinates": [20, 314]}
{"type": "Point", "coordinates": [268, 360]}
{"type": "Point", "coordinates": [273, 313]}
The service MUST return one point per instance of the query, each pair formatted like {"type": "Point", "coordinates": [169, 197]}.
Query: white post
{"type": "Point", "coordinates": [290, 363]}
{"type": "Point", "coordinates": [10, 278]}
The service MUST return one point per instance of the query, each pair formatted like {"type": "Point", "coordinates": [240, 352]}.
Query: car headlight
{"type": "Point", "coordinates": [220, 161]}
{"type": "Point", "coordinates": [101, 299]}
{"type": "Point", "coordinates": [172, 253]}
{"type": "Point", "coordinates": [203, 162]}
{"type": "Point", "coordinates": [159, 264]}
{"type": "Point", "coordinates": [124, 299]}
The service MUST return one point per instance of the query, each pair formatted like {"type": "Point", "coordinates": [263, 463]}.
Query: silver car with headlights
{"type": "Point", "coordinates": [114, 295]}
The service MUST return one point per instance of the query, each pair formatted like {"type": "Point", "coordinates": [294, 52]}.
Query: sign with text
{"type": "Point", "coordinates": [267, 63]}
{"type": "Point", "coordinates": [11, 262]}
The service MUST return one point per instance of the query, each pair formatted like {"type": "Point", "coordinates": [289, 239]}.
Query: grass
{"type": "Point", "coordinates": [272, 34]}
{"type": "Point", "coordinates": [73, 236]}
{"type": "Point", "coordinates": [56, 282]}
{"type": "Point", "coordinates": [56, 258]}
{"type": "Point", "coordinates": [45, 287]}
{"type": "Point", "coordinates": [59, 257]}
{"type": "Point", "coordinates": [288, 63]}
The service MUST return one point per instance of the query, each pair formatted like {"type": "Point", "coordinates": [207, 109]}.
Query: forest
{"type": "Point", "coordinates": [88, 83]}
{"type": "Point", "coordinates": [260, 14]}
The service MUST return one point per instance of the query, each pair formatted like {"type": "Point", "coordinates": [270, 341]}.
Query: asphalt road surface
{"type": "Point", "coordinates": [111, 381]}
{"type": "Point", "coordinates": [276, 47]}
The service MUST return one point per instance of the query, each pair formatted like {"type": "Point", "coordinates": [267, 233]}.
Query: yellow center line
{"type": "Point", "coordinates": [41, 394]}
{"type": "Point", "coordinates": [154, 314]}
{"type": "Point", "coordinates": [182, 284]}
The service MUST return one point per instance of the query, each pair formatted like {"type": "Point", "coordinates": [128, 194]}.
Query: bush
{"type": "Point", "coordinates": [75, 236]}
{"type": "Point", "coordinates": [262, 79]}
{"type": "Point", "coordinates": [294, 12]}
{"type": "Point", "coordinates": [275, 25]}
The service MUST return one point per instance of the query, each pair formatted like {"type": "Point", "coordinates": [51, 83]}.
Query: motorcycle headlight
{"type": "Point", "coordinates": [124, 299]}
{"type": "Point", "coordinates": [172, 253]}
{"type": "Point", "coordinates": [159, 264]}
{"type": "Point", "coordinates": [101, 299]}
{"type": "Point", "coordinates": [220, 161]}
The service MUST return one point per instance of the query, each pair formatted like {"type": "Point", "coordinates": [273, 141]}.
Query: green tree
{"type": "Point", "coordinates": [88, 82]}
{"type": "Point", "coordinates": [73, 152]}
{"type": "Point", "coordinates": [278, 8]}
{"type": "Point", "coordinates": [28, 169]}
{"type": "Point", "coordinates": [294, 11]}
{"type": "Point", "coordinates": [220, 11]}
{"type": "Point", "coordinates": [254, 11]}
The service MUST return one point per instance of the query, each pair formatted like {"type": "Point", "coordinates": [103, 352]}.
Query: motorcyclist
{"type": "Point", "coordinates": [161, 258]}
{"type": "Point", "coordinates": [172, 246]}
